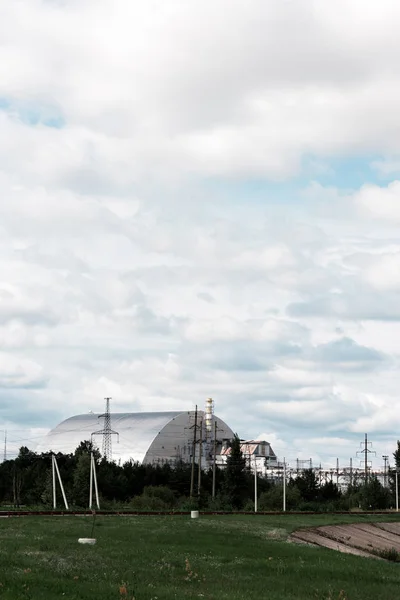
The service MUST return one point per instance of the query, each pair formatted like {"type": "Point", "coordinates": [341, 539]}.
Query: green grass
{"type": "Point", "coordinates": [165, 558]}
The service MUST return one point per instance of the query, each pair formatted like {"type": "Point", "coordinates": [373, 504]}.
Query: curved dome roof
{"type": "Point", "coordinates": [145, 437]}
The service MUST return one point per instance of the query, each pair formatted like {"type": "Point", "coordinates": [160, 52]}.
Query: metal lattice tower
{"type": "Point", "coordinates": [106, 432]}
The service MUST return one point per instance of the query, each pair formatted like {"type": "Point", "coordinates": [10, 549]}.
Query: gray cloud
{"type": "Point", "coordinates": [358, 307]}
{"type": "Point", "coordinates": [346, 351]}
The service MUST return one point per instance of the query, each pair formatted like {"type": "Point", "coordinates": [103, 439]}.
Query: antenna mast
{"type": "Point", "coordinates": [106, 432]}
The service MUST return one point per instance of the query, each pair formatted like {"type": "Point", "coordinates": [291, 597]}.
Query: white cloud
{"type": "Point", "coordinates": [382, 203]}
{"type": "Point", "coordinates": [199, 88]}
{"type": "Point", "coordinates": [135, 260]}
{"type": "Point", "coordinates": [20, 372]}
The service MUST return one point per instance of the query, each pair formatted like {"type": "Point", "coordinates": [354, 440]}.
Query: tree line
{"type": "Point", "coordinates": [26, 481]}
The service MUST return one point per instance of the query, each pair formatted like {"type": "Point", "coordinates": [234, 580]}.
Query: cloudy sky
{"type": "Point", "coordinates": [202, 198]}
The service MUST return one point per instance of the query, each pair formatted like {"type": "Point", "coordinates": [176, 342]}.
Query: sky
{"type": "Point", "coordinates": [202, 198]}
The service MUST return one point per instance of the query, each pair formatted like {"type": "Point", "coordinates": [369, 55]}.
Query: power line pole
{"type": "Point", "coordinates": [255, 484]}
{"type": "Point", "coordinates": [366, 451]}
{"type": "Point", "coordinates": [93, 480]}
{"type": "Point", "coordinates": [55, 471]}
{"type": "Point", "coordinates": [200, 456]}
{"type": "Point", "coordinates": [5, 446]}
{"type": "Point", "coordinates": [193, 453]}
{"type": "Point", "coordinates": [106, 432]}
{"type": "Point", "coordinates": [284, 485]}
{"type": "Point", "coordinates": [351, 472]}
{"type": "Point", "coordinates": [385, 458]}
{"type": "Point", "coordinates": [214, 458]}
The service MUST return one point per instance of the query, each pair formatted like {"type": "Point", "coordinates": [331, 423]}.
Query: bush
{"type": "Point", "coordinates": [273, 499]}
{"type": "Point", "coordinates": [155, 498]}
{"type": "Point", "coordinates": [388, 554]}
{"type": "Point", "coordinates": [311, 507]}
{"type": "Point", "coordinates": [188, 504]}
{"type": "Point", "coordinates": [220, 503]}
{"type": "Point", "coordinates": [249, 506]}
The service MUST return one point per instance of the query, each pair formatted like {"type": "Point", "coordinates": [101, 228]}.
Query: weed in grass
{"type": "Point", "coordinates": [390, 554]}
{"type": "Point", "coordinates": [190, 574]}
{"type": "Point", "coordinates": [124, 592]}
{"type": "Point", "coordinates": [333, 596]}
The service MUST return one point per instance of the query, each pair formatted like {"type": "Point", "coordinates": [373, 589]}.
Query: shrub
{"type": "Point", "coordinates": [273, 498]}
{"type": "Point", "coordinates": [155, 498]}
{"type": "Point", "coordinates": [389, 554]}
{"type": "Point", "coordinates": [249, 506]}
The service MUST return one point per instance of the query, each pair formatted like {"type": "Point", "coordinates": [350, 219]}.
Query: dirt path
{"type": "Point", "coordinates": [364, 539]}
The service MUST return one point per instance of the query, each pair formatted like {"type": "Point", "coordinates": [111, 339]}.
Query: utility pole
{"type": "Point", "coordinates": [200, 453]}
{"type": "Point", "coordinates": [193, 453]}
{"type": "Point", "coordinates": [337, 472]}
{"type": "Point", "coordinates": [5, 446]}
{"type": "Point", "coordinates": [53, 470]}
{"type": "Point", "coordinates": [385, 458]}
{"type": "Point", "coordinates": [284, 485]}
{"type": "Point", "coordinates": [351, 472]}
{"type": "Point", "coordinates": [106, 432]}
{"type": "Point", "coordinates": [255, 484]}
{"type": "Point", "coordinates": [397, 490]}
{"type": "Point", "coordinates": [93, 479]}
{"type": "Point", "coordinates": [214, 458]}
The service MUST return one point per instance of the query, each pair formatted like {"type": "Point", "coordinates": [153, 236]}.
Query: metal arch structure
{"type": "Point", "coordinates": [148, 437]}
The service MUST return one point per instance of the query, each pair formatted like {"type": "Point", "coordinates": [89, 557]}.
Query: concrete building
{"type": "Point", "coordinates": [257, 452]}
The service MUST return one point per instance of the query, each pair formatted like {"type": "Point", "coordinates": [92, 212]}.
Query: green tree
{"type": "Point", "coordinates": [307, 484]}
{"type": "Point", "coordinates": [86, 447]}
{"type": "Point", "coordinates": [273, 498]}
{"type": "Point", "coordinates": [373, 495]}
{"type": "Point", "coordinates": [81, 481]}
{"type": "Point", "coordinates": [236, 475]}
{"type": "Point", "coordinates": [392, 475]}
{"type": "Point", "coordinates": [396, 456]}
{"type": "Point", "coordinates": [329, 492]}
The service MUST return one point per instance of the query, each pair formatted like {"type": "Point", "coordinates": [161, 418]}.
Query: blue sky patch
{"type": "Point", "coordinates": [33, 114]}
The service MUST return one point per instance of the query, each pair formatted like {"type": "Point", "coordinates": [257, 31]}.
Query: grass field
{"type": "Point", "coordinates": [165, 558]}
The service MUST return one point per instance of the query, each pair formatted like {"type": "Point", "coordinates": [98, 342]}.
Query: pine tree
{"type": "Point", "coordinates": [236, 474]}
{"type": "Point", "coordinates": [392, 474]}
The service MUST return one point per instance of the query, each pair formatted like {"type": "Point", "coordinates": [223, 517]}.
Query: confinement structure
{"type": "Point", "coordinates": [149, 438]}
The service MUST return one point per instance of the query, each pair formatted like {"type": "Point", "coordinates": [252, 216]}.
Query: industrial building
{"type": "Point", "coordinates": [149, 437]}
{"type": "Point", "coordinates": [258, 453]}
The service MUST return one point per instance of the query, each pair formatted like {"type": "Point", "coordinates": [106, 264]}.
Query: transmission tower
{"type": "Point", "coordinates": [106, 432]}
{"type": "Point", "coordinates": [366, 451]}
{"type": "Point", "coordinates": [385, 470]}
